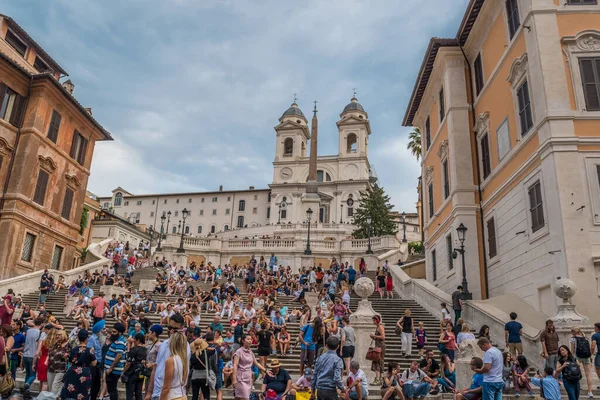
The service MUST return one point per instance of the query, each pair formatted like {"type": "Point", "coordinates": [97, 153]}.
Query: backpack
{"type": "Point", "coordinates": [582, 348]}
{"type": "Point", "coordinates": [572, 372]}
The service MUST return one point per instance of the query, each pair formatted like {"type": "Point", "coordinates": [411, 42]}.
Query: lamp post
{"type": "Point", "coordinates": [308, 252]}
{"type": "Point", "coordinates": [162, 222]}
{"type": "Point", "coordinates": [341, 213]}
{"type": "Point", "coordinates": [403, 227]}
{"type": "Point", "coordinates": [179, 227]}
{"type": "Point", "coordinates": [462, 231]}
{"type": "Point", "coordinates": [279, 215]}
{"type": "Point", "coordinates": [369, 220]}
{"type": "Point", "coordinates": [184, 215]}
{"type": "Point", "coordinates": [168, 220]}
{"type": "Point", "coordinates": [150, 232]}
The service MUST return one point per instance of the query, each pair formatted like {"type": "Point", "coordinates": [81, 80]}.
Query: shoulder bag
{"type": "Point", "coordinates": [373, 353]}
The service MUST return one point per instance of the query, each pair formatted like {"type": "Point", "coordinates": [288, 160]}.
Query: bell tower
{"type": "Point", "coordinates": [354, 130]}
{"type": "Point", "coordinates": [292, 135]}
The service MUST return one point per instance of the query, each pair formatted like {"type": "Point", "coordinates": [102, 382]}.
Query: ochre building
{"type": "Point", "coordinates": [509, 112]}
{"type": "Point", "coordinates": [46, 144]}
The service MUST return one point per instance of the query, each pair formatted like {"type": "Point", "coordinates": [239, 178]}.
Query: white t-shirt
{"type": "Point", "coordinates": [363, 380]}
{"type": "Point", "coordinates": [445, 314]}
{"type": "Point", "coordinates": [493, 356]}
{"type": "Point", "coordinates": [416, 376]}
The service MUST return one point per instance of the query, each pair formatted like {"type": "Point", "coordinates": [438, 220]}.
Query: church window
{"type": "Point", "coordinates": [118, 199]}
{"type": "Point", "coordinates": [187, 230]}
{"type": "Point", "coordinates": [242, 205]}
{"type": "Point", "coordinates": [199, 229]}
{"type": "Point", "coordinates": [240, 221]}
{"type": "Point", "coordinates": [174, 230]}
{"type": "Point", "coordinates": [226, 228]}
{"type": "Point", "coordinates": [213, 229]}
{"type": "Point", "coordinates": [288, 147]}
{"type": "Point", "coordinates": [351, 143]}
{"type": "Point", "coordinates": [283, 213]}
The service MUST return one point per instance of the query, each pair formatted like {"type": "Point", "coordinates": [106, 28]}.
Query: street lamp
{"type": "Point", "coordinates": [369, 220]}
{"type": "Point", "coordinates": [162, 222]}
{"type": "Point", "coordinates": [179, 227]}
{"type": "Point", "coordinates": [462, 231]}
{"type": "Point", "coordinates": [184, 215]}
{"type": "Point", "coordinates": [150, 232]}
{"type": "Point", "coordinates": [308, 215]}
{"type": "Point", "coordinates": [279, 214]}
{"type": "Point", "coordinates": [168, 220]}
{"type": "Point", "coordinates": [403, 227]}
{"type": "Point", "coordinates": [341, 213]}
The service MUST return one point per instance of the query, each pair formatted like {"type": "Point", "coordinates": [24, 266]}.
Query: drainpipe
{"type": "Point", "coordinates": [14, 152]}
{"type": "Point", "coordinates": [478, 169]}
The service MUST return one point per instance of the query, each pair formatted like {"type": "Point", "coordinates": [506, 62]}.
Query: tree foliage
{"type": "Point", "coordinates": [414, 143]}
{"type": "Point", "coordinates": [85, 213]}
{"type": "Point", "coordinates": [376, 204]}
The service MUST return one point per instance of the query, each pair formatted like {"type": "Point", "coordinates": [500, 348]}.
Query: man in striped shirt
{"type": "Point", "coordinates": [115, 360]}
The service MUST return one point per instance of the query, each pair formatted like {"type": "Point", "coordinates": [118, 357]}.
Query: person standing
{"type": "Point", "coordinates": [99, 304]}
{"type": "Point", "coordinates": [595, 347]}
{"type": "Point", "coordinates": [58, 354]}
{"type": "Point", "coordinates": [457, 303]}
{"type": "Point", "coordinates": [6, 311]}
{"type": "Point", "coordinates": [348, 340]}
{"type": "Point", "coordinates": [176, 369]}
{"type": "Point", "coordinates": [491, 370]}
{"type": "Point", "coordinates": [512, 335]}
{"type": "Point", "coordinates": [379, 338]}
{"type": "Point", "coordinates": [549, 340]}
{"type": "Point", "coordinates": [327, 375]}
{"type": "Point", "coordinates": [242, 377]}
{"type": "Point", "coordinates": [114, 361]}
{"type": "Point", "coordinates": [570, 369]}
{"type": "Point", "coordinates": [407, 327]}
{"type": "Point", "coordinates": [134, 366]}
{"type": "Point", "coordinates": [95, 346]}
{"type": "Point", "coordinates": [31, 343]}
{"type": "Point", "coordinates": [78, 378]}
{"type": "Point", "coordinates": [580, 347]}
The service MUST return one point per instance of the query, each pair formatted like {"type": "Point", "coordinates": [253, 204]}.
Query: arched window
{"type": "Point", "coordinates": [187, 229]}
{"type": "Point", "coordinates": [240, 221]}
{"type": "Point", "coordinates": [118, 199]}
{"type": "Point", "coordinates": [174, 230]}
{"type": "Point", "coordinates": [242, 206]}
{"type": "Point", "coordinates": [288, 147]}
{"type": "Point", "coordinates": [303, 150]}
{"type": "Point", "coordinates": [226, 228]}
{"type": "Point", "coordinates": [199, 229]}
{"type": "Point", "coordinates": [323, 176]}
{"type": "Point", "coordinates": [213, 229]}
{"type": "Point", "coordinates": [351, 143]}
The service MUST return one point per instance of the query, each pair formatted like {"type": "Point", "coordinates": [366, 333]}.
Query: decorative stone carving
{"type": "Point", "coordinates": [364, 287]}
{"type": "Point", "coordinates": [443, 149]}
{"type": "Point", "coordinates": [47, 163]}
{"type": "Point", "coordinates": [469, 349]}
{"type": "Point", "coordinates": [4, 146]}
{"type": "Point", "coordinates": [567, 315]}
{"type": "Point", "coordinates": [517, 70]}
{"type": "Point", "coordinates": [482, 124]}
{"type": "Point", "coordinates": [72, 181]}
{"type": "Point", "coordinates": [428, 173]}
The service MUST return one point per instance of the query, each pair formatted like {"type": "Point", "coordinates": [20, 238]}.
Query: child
{"type": "Point", "coordinates": [421, 338]}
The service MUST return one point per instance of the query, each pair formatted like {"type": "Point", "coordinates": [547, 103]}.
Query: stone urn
{"type": "Point", "coordinates": [567, 315]}
{"type": "Point", "coordinates": [364, 287]}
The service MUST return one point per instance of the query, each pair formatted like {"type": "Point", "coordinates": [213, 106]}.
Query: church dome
{"type": "Point", "coordinates": [293, 111]}
{"type": "Point", "coordinates": [354, 105]}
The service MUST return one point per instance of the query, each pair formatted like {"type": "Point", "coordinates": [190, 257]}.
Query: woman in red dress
{"type": "Point", "coordinates": [389, 286]}
{"type": "Point", "coordinates": [42, 357]}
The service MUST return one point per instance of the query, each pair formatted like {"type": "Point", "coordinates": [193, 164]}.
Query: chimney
{"type": "Point", "coordinates": [220, 188]}
{"type": "Point", "coordinates": [68, 85]}
{"type": "Point", "coordinates": [89, 110]}
{"type": "Point", "coordinates": [251, 187]}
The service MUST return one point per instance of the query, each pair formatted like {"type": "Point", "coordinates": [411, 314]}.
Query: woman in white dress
{"type": "Point", "coordinates": [176, 369]}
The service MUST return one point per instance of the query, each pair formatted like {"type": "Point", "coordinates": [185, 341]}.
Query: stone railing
{"type": "Point", "coordinates": [29, 283]}
{"type": "Point", "coordinates": [475, 313]}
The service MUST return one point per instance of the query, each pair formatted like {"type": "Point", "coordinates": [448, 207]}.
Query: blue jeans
{"type": "Point", "coordinates": [492, 390]}
{"type": "Point", "coordinates": [412, 391]}
{"type": "Point", "coordinates": [29, 372]}
{"type": "Point", "coordinates": [572, 388]}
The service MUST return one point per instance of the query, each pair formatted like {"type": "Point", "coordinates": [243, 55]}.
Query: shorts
{"type": "Point", "coordinates": [264, 351]}
{"type": "Point", "coordinates": [472, 396]}
{"type": "Point", "coordinates": [354, 394]}
{"type": "Point", "coordinates": [515, 347]}
{"type": "Point", "coordinates": [597, 360]}
{"type": "Point", "coordinates": [43, 298]}
{"type": "Point", "coordinates": [348, 352]}
{"type": "Point", "coordinates": [420, 346]}
{"type": "Point", "coordinates": [584, 360]}
{"type": "Point", "coordinates": [219, 383]}
{"type": "Point", "coordinates": [307, 357]}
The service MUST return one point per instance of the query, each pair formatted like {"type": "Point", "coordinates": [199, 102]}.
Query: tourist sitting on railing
{"type": "Point", "coordinates": [72, 291]}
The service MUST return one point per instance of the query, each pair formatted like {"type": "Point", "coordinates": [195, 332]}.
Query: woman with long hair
{"type": "Point", "coordinates": [580, 346]}
{"type": "Point", "coordinates": [521, 376]}
{"type": "Point", "coordinates": [58, 354]}
{"type": "Point", "coordinates": [266, 343]}
{"type": "Point", "coordinates": [241, 377]}
{"type": "Point", "coordinates": [448, 374]}
{"type": "Point", "coordinates": [6, 342]}
{"type": "Point", "coordinates": [571, 372]}
{"type": "Point", "coordinates": [448, 340]}
{"type": "Point", "coordinates": [507, 370]}
{"type": "Point", "coordinates": [41, 356]}
{"type": "Point", "coordinates": [319, 334]}
{"type": "Point", "coordinates": [379, 338]}
{"type": "Point", "coordinates": [176, 369]}
{"type": "Point", "coordinates": [484, 331]}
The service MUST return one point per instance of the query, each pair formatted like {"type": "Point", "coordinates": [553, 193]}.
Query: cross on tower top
{"type": "Point", "coordinates": [354, 91]}
{"type": "Point", "coordinates": [295, 97]}
{"type": "Point", "coordinates": [315, 109]}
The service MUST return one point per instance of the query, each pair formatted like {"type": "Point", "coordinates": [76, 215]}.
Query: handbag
{"type": "Point", "coordinates": [373, 353]}
{"type": "Point", "coordinates": [206, 373]}
{"type": "Point", "coordinates": [7, 383]}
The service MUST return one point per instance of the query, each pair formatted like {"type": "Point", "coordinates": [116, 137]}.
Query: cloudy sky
{"type": "Point", "coordinates": [191, 89]}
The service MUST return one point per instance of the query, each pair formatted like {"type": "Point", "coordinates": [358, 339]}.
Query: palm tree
{"type": "Point", "coordinates": [414, 143]}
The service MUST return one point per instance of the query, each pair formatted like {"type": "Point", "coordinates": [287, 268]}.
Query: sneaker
{"type": "Point", "coordinates": [517, 394]}
{"type": "Point", "coordinates": [590, 395]}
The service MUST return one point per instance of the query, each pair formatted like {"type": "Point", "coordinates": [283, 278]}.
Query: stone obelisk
{"type": "Point", "coordinates": [311, 199]}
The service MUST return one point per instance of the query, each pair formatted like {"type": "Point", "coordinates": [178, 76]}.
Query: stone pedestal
{"type": "Point", "coordinates": [307, 262]}
{"type": "Point", "coordinates": [312, 299]}
{"type": "Point", "coordinates": [467, 350]}
{"type": "Point", "coordinates": [110, 290]}
{"type": "Point", "coordinates": [567, 316]}
{"type": "Point", "coordinates": [70, 303]}
{"type": "Point", "coordinates": [147, 284]}
{"type": "Point", "coordinates": [362, 322]}
{"type": "Point", "coordinates": [180, 258]}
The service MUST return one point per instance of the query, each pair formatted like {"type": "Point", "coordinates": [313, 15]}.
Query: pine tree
{"type": "Point", "coordinates": [376, 204]}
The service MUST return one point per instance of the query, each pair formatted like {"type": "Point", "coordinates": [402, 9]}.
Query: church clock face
{"type": "Point", "coordinates": [286, 173]}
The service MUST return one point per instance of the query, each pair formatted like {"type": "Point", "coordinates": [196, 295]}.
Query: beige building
{"type": "Point", "coordinates": [340, 179]}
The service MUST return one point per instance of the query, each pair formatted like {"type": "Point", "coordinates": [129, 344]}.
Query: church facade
{"type": "Point", "coordinates": [340, 178]}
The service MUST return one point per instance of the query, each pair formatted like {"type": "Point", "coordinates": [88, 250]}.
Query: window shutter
{"type": "Point", "coordinates": [82, 151]}
{"type": "Point", "coordinates": [40, 187]}
{"type": "Point", "coordinates": [74, 144]}
{"type": "Point", "coordinates": [590, 85]}
{"type": "Point", "coordinates": [2, 92]}
{"type": "Point", "coordinates": [54, 126]}
{"type": "Point", "coordinates": [16, 117]}
{"type": "Point", "coordinates": [67, 204]}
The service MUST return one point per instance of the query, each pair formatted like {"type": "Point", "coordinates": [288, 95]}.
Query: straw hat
{"type": "Point", "coordinates": [274, 363]}
{"type": "Point", "coordinates": [200, 345]}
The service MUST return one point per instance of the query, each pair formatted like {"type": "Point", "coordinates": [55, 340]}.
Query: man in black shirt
{"type": "Point", "coordinates": [457, 303]}
{"type": "Point", "coordinates": [146, 323]}
{"type": "Point", "coordinates": [277, 379]}
{"type": "Point", "coordinates": [432, 369]}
